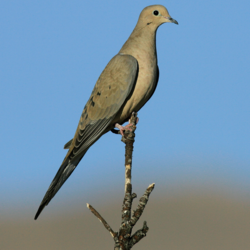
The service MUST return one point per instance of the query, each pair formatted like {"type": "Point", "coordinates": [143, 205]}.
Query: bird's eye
{"type": "Point", "coordinates": [156, 12]}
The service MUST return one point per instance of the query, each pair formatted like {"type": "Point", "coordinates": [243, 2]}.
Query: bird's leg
{"type": "Point", "coordinates": [123, 128]}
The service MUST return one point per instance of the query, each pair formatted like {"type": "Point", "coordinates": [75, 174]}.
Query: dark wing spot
{"type": "Point", "coordinates": [92, 102]}
{"type": "Point", "coordinates": [84, 112]}
{"type": "Point", "coordinates": [109, 87]}
{"type": "Point", "coordinates": [98, 93]}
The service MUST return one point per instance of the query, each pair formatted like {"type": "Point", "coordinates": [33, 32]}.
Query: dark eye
{"type": "Point", "coordinates": [156, 12]}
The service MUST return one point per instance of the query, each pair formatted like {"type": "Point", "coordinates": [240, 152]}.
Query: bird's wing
{"type": "Point", "coordinates": [68, 144]}
{"type": "Point", "coordinates": [110, 93]}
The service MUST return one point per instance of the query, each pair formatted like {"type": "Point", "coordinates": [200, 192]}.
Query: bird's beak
{"type": "Point", "coordinates": [171, 20]}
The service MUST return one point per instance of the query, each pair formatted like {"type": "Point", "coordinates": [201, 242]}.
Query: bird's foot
{"type": "Point", "coordinates": [123, 128]}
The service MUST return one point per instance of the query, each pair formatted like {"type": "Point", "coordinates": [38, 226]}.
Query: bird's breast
{"type": "Point", "coordinates": [145, 85]}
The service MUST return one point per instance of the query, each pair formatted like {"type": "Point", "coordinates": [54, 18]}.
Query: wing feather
{"type": "Point", "coordinates": [110, 93]}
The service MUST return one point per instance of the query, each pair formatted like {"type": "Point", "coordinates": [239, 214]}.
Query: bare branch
{"type": "Point", "coordinates": [138, 235]}
{"type": "Point", "coordinates": [123, 239]}
{"type": "Point", "coordinates": [128, 139]}
{"type": "Point", "coordinates": [105, 224]}
{"type": "Point", "coordinates": [142, 204]}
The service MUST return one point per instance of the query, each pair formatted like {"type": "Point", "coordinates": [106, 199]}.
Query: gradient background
{"type": "Point", "coordinates": [192, 139]}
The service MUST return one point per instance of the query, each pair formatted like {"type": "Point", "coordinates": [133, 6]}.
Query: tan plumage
{"type": "Point", "coordinates": [125, 85]}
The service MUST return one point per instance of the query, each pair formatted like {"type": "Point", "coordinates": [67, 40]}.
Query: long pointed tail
{"type": "Point", "coordinates": [62, 175]}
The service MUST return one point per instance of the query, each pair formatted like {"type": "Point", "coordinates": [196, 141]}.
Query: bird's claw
{"type": "Point", "coordinates": [123, 128]}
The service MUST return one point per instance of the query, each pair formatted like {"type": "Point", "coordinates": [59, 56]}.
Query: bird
{"type": "Point", "coordinates": [125, 85]}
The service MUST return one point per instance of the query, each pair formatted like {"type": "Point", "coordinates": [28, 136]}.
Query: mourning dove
{"type": "Point", "coordinates": [125, 85]}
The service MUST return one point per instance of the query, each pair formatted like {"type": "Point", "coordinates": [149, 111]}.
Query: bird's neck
{"type": "Point", "coordinates": [141, 41]}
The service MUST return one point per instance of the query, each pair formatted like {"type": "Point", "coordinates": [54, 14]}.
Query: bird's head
{"type": "Point", "coordinates": [155, 15]}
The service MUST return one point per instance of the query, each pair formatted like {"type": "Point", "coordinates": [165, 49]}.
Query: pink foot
{"type": "Point", "coordinates": [123, 128]}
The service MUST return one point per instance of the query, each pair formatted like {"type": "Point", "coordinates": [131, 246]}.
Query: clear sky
{"type": "Point", "coordinates": [195, 129]}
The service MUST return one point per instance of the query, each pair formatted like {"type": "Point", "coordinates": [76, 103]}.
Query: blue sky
{"type": "Point", "coordinates": [194, 130]}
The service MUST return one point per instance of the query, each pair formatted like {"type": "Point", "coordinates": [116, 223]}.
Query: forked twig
{"type": "Point", "coordinates": [123, 239]}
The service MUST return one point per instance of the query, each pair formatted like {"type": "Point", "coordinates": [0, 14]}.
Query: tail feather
{"type": "Point", "coordinates": [62, 175]}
